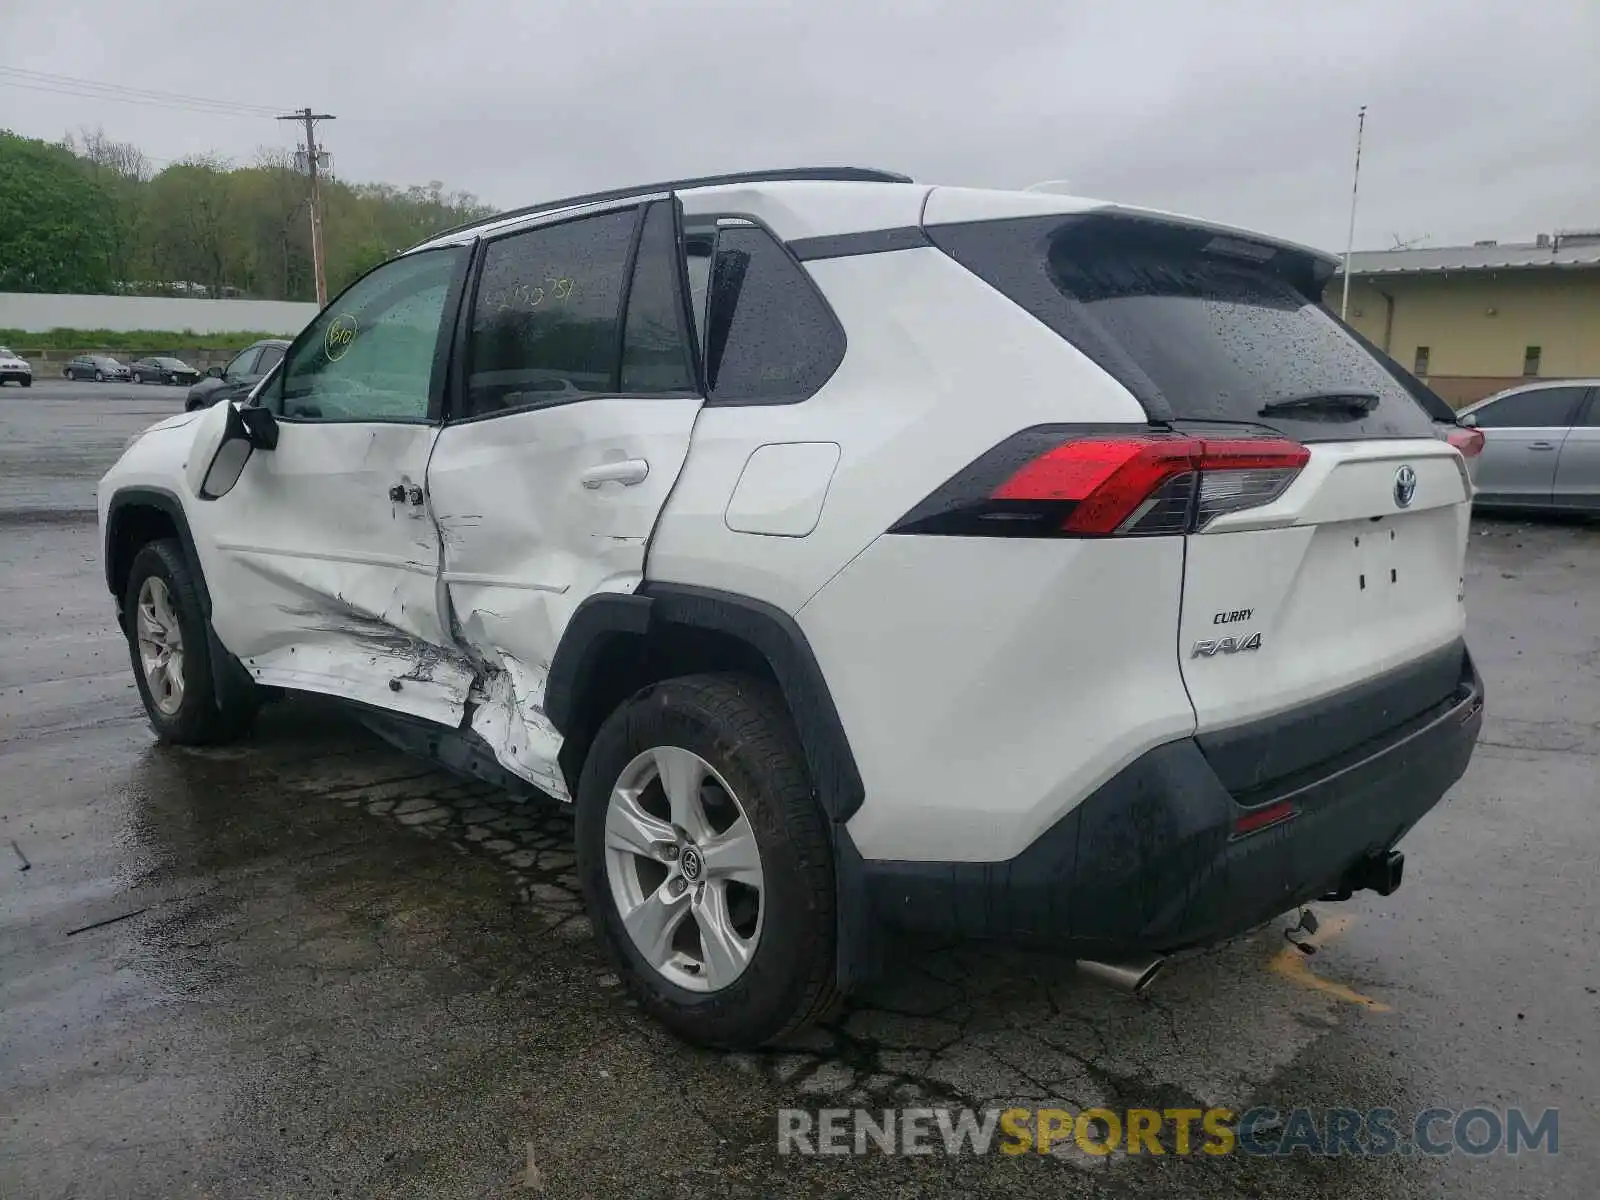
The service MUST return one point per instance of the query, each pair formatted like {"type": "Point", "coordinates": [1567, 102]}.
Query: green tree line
{"type": "Point", "coordinates": [90, 215]}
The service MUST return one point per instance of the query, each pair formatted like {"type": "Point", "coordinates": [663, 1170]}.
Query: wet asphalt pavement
{"type": "Point", "coordinates": [309, 966]}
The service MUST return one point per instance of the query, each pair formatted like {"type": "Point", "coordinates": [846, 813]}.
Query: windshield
{"type": "Point", "coordinates": [1198, 326]}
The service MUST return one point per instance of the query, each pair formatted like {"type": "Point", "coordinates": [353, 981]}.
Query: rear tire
{"type": "Point", "coordinates": [170, 649]}
{"type": "Point", "coordinates": [774, 906]}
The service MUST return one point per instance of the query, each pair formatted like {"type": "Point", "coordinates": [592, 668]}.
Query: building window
{"type": "Point", "coordinates": [1530, 361]}
{"type": "Point", "coordinates": [1420, 367]}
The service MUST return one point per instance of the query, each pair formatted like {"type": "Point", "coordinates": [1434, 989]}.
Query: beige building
{"type": "Point", "coordinates": [1472, 320]}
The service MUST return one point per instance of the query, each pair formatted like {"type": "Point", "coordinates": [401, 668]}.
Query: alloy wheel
{"type": "Point", "coordinates": [684, 869]}
{"type": "Point", "coordinates": [160, 639]}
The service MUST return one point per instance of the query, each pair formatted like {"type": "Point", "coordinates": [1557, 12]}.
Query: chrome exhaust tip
{"type": "Point", "coordinates": [1134, 976]}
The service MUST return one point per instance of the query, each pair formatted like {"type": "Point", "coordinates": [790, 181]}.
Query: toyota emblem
{"type": "Point", "coordinates": [1405, 486]}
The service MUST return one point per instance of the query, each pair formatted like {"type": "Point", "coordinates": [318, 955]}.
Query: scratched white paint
{"type": "Point", "coordinates": [508, 713]}
{"type": "Point", "coordinates": [449, 609]}
{"type": "Point", "coordinates": [438, 694]}
{"type": "Point", "coordinates": [526, 539]}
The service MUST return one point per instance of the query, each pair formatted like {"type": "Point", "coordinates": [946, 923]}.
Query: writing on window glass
{"type": "Point", "coordinates": [341, 335]}
{"type": "Point", "coordinates": [523, 296]}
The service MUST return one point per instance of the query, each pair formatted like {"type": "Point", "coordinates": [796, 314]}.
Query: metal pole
{"type": "Point", "coordinates": [316, 211]}
{"type": "Point", "coordinates": [1355, 185]}
{"type": "Point", "coordinates": [310, 120]}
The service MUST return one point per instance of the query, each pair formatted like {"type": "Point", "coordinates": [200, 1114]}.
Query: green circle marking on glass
{"type": "Point", "coordinates": [341, 335]}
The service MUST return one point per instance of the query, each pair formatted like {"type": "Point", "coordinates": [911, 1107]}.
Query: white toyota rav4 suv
{"type": "Point", "coordinates": [854, 555]}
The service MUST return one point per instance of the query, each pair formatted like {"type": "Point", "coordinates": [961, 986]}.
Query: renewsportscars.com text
{"type": "Point", "coordinates": [1319, 1132]}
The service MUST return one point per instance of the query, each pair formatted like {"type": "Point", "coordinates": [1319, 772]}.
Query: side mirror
{"type": "Point", "coordinates": [213, 372]}
{"type": "Point", "coordinates": [223, 444]}
{"type": "Point", "coordinates": [1470, 421]}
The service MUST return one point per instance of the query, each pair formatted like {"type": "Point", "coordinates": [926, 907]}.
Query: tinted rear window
{"type": "Point", "coordinates": [1198, 326]}
{"type": "Point", "coordinates": [771, 338]}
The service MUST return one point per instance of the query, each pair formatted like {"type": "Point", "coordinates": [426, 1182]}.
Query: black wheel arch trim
{"type": "Point", "coordinates": [167, 503]}
{"type": "Point", "coordinates": [655, 609]}
{"type": "Point", "coordinates": [228, 675]}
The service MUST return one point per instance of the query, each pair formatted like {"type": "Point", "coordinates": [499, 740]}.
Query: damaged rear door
{"type": "Point", "coordinates": [571, 410]}
{"type": "Point", "coordinates": [323, 560]}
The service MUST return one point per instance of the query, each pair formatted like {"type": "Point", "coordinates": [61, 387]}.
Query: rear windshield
{"type": "Point", "coordinates": [1198, 326]}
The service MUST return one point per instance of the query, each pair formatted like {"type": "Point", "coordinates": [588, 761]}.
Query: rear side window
{"type": "Point", "coordinates": [545, 321]}
{"type": "Point", "coordinates": [770, 336]}
{"type": "Point", "coordinates": [1541, 408]}
{"type": "Point", "coordinates": [1198, 326]}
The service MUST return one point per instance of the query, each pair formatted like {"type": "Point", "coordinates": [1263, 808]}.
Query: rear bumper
{"type": "Point", "coordinates": [1151, 861]}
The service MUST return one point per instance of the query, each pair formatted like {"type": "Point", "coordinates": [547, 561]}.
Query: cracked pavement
{"type": "Point", "coordinates": [308, 965]}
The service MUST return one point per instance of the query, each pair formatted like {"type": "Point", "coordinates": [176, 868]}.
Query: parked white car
{"type": "Point", "coordinates": [854, 555]}
{"type": "Point", "coordinates": [14, 369]}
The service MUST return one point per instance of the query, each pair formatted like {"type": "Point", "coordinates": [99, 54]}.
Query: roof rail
{"type": "Point", "coordinates": [781, 174]}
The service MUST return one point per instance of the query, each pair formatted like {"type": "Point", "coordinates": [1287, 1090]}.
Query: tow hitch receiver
{"type": "Point", "coordinates": [1379, 873]}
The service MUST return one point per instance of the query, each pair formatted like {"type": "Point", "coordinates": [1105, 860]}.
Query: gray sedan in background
{"type": "Point", "coordinates": [163, 370]}
{"type": "Point", "coordinates": [1541, 446]}
{"type": "Point", "coordinates": [99, 367]}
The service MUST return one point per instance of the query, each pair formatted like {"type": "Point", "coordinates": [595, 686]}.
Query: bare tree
{"type": "Point", "coordinates": [105, 154]}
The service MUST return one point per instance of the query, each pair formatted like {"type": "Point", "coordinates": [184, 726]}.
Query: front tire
{"type": "Point", "coordinates": [169, 647]}
{"type": "Point", "coordinates": [99, 376]}
{"type": "Point", "coordinates": [705, 861]}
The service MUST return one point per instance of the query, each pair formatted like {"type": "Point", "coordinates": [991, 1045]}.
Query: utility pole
{"type": "Point", "coordinates": [1355, 185]}
{"type": "Point", "coordinates": [310, 119]}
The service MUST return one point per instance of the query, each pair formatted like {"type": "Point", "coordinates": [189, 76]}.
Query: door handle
{"type": "Point", "coordinates": [627, 471]}
{"type": "Point", "coordinates": [1541, 445]}
{"type": "Point", "coordinates": [401, 494]}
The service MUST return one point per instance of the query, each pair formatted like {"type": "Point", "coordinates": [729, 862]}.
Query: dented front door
{"type": "Point", "coordinates": [571, 424]}
{"type": "Point", "coordinates": [323, 560]}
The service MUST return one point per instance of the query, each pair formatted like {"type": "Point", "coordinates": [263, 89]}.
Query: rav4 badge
{"type": "Point", "coordinates": [1207, 648]}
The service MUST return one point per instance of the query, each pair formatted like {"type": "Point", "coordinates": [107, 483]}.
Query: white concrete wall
{"type": "Point", "coordinates": [38, 313]}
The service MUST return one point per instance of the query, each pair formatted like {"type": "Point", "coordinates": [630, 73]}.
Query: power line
{"type": "Point", "coordinates": [99, 86]}
{"type": "Point", "coordinates": [68, 85]}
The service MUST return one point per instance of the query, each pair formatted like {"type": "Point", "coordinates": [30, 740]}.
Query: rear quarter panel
{"type": "Point", "coordinates": [939, 368]}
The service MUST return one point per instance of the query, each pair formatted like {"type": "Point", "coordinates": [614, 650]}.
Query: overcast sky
{"type": "Point", "coordinates": [1483, 115]}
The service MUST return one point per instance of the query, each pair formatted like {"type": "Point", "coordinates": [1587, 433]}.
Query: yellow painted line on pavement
{"type": "Point", "coordinates": [1295, 966]}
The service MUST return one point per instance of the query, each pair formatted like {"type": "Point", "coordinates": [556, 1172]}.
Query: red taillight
{"type": "Point", "coordinates": [1468, 441]}
{"type": "Point", "coordinates": [1260, 818]}
{"type": "Point", "coordinates": [1144, 484]}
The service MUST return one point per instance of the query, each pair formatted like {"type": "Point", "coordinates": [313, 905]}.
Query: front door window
{"type": "Point", "coordinates": [374, 353]}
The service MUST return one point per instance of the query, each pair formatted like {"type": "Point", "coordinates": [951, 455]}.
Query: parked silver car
{"type": "Point", "coordinates": [1541, 446]}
